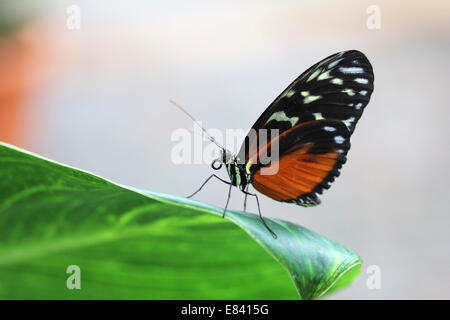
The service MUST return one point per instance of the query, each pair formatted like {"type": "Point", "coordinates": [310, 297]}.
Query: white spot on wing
{"type": "Point", "coordinates": [358, 106]}
{"type": "Point", "coordinates": [324, 76]}
{"type": "Point", "coordinates": [351, 70]}
{"type": "Point", "coordinates": [361, 80]}
{"type": "Point", "coordinates": [363, 92]}
{"type": "Point", "coordinates": [281, 116]}
{"type": "Point", "coordinates": [349, 121]}
{"type": "Point", "coordinates": [304, 93]}
{"type": "Point", "coordinates": [350, 92]}
{"type": "Point", "coordinates": [337, 81]}
{"type": "Point", "coordinates": [333, 64]}
{"type": "Point", "coordinates": [339, 139]}
{"type": "Point", "coordinates": [309, 99]}
{"type": "Point", "coordinates": [330, 129]}
{"type": "Point", "coordinates": [315, 74]}
{"type": "Point", "coordinates": [289, 94]}
{"type": "Point", "coordinates": [318, 116]}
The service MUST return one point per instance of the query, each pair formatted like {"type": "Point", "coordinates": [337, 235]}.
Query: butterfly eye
{"type": "Point", "coordinates": [216, 164]}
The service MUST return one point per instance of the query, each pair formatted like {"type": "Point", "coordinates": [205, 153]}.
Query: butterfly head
{"type": "Point", "coordinates": [225, 157]}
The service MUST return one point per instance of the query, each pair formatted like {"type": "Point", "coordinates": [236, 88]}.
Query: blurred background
{"type": "Point", "coordinates": [96, 97]}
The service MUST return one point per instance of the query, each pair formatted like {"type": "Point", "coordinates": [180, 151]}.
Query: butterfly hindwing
{"type": "Point", "coordinates": [311, 155]}
{"type": "Point", "coordinates": [338, 87]}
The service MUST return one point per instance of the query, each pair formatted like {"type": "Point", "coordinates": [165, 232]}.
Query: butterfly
{"type": "Point", "coordinates": [310, 123]}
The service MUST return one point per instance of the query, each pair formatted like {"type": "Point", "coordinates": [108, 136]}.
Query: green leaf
{"type": "Point", "coordinates": [135, 244]}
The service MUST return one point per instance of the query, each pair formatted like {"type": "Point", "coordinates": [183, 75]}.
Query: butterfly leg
{"type": "Point", "coordinates": [245, 199]}
{"type": "Point", "coordinates": [228, 200]}
{"type": "Point", "coordinates": [260, 215]}
{"type": "Point", "coordinates": [206, 181]}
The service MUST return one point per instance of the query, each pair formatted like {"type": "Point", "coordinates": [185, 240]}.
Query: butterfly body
{"type": "Point", "coordinates": [238, 174]}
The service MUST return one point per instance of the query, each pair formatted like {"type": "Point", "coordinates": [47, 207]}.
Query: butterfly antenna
{"type": "Point", "coordinates": [191, 130]}
{"type": "Point", "coordinates": [210, 137]}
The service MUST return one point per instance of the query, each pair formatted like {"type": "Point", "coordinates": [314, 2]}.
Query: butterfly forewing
{"type": "Point", "coordinates": [338, 87]}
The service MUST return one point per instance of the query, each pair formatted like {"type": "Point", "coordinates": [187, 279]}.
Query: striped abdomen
{"type": "Point", "coordinates": [238, 176]}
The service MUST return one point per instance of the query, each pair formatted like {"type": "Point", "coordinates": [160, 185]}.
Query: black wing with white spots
{"type": "Point", "coordinates": [337, 88]}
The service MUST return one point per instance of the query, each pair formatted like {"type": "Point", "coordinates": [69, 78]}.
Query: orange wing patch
{"type": "Point", "coordinates": [299, 172]}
